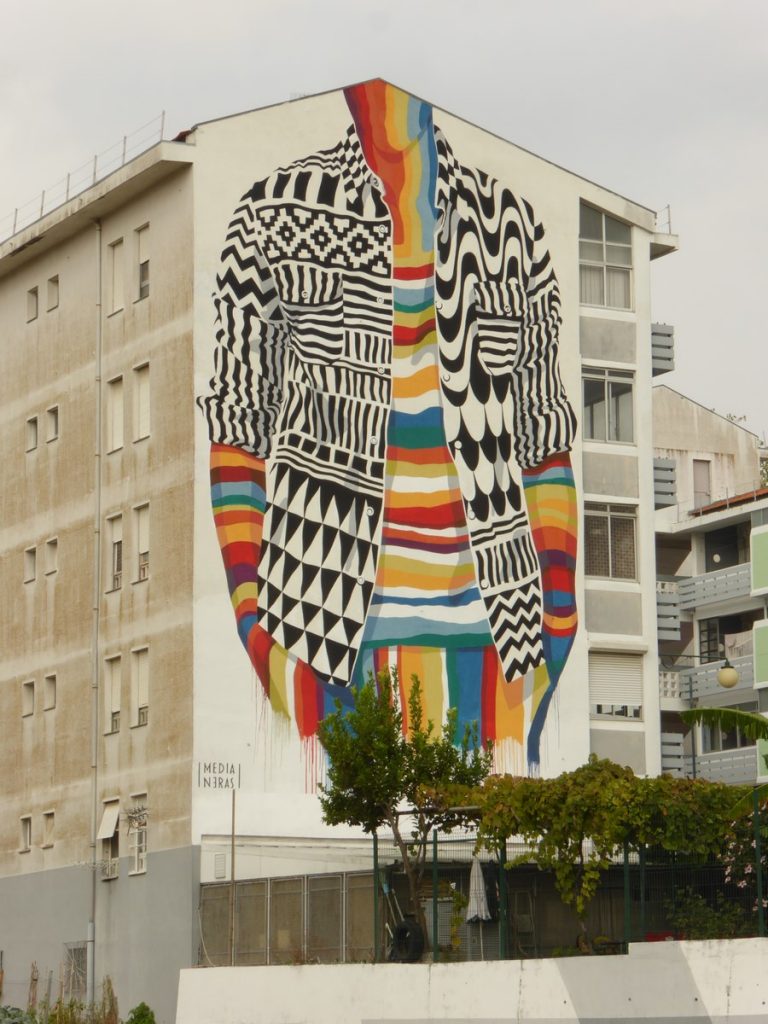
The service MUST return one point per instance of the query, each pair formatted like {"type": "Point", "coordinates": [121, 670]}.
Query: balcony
{"type": "Point", "coordinates": [662, 348]}
{"type": "Point", "coordinates": [715, 587]}
{"type": "Point", "coordinates": [667, 610]}
{"type": "Point", "coordinates": [734, 767]}
{"type": "Point", "coordinates": [700, 682]}
{"type": "Point", "coordinates": [664, 483]}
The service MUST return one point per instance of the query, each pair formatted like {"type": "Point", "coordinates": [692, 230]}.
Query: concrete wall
{"type": "Point", "coordinates": [146, 928]}
{"type": "Point", "coordinates": [657, 982]}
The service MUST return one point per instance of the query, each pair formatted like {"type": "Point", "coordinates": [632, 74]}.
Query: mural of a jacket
{"type": "Point", "coordinates": [389, 463]}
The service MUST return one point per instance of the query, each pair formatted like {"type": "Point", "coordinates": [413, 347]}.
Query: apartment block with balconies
{"type": "Point", "coordinates": [712, 584]}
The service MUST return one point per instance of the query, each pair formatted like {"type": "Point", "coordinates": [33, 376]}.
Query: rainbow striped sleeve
{"type": "Point", "coordinates": [550, 496]}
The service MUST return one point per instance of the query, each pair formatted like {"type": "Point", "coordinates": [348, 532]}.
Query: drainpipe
{"type": "Point", "coordinates": [95, 612]}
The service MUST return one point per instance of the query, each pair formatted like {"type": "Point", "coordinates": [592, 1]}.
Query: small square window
{"type": "Point", "coordinates": [49, 693]}
{"type": "Point", "coordinates": [32, 305]}
{"type": "Point", "coordinates": [608, 405]}
{"type": "Point", "coordinates": [53, 293]}
{"type": "Point", "coordinates": [52, 423]}
{"type": "Point", "coordinates": [48, 828]}
{"type": "Point", "coordinates": [25, 836]}
{"type": "Point", "coordinates": [51, 556]}
{"type": "Point", "coordinates": [30, 565]}
{"type": "Point", "coordinates": [610, 541]}
{"type": "Point", "coordinates": [28, 698]}
{"type": "Point", "coordinates": [31, 434]}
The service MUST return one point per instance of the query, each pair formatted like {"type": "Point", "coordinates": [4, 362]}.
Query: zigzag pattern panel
{"type": "Point", "coordinates": [516, 627]}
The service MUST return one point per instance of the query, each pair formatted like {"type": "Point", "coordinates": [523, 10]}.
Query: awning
{"type": "Point", "coordinates": [109, 820]}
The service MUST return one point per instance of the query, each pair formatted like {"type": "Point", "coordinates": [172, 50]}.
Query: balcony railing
{"type": "Point", "coordinates": [662, 348]}
{"type": "Point", "coordinates": [667, 610]}
{"type": "Point", "coordinates": [700, 681]}
{"type": "Point", "coordinates": [714, 587]}
{"type": "Point", "coordinates": [735, 767]}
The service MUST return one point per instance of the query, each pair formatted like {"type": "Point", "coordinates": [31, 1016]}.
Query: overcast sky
{"type": "Point", "coordinates": [664, 102]}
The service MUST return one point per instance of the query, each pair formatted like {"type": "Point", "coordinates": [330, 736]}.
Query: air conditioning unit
{"type": "Point", "coordinates": [143, 715]}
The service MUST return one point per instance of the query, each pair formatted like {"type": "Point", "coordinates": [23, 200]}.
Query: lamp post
{"type": "Point", "coordinates": [727, 678]}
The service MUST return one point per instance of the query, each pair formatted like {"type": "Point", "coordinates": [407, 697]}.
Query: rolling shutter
{"type": "Point", "coordinates": [616, 679]}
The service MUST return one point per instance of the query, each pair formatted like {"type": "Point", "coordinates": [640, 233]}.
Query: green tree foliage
{"type": "Point", "coordinates": [141, 1014]}
{"type": "Point", "coordinates": [375, 771]}
{"type": "Point", "coordinates": [752, 725]}
{"type": "Point", "coordinates": [575, 825]}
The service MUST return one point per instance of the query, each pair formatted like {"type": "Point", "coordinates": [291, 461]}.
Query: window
{"type": "Point", "coordinates": [32, 305]}
{"type": "Point", "coordinates": [115, 541]}
{"type": "Point", "coordinates": [702, 482]}
{"type": "Point", "coordinates": [109, 837]}
{"type": "Point", "coordinates": [52, 423]}
{"type": "Point", "coordinates": [715, 737]}
{"type": "Point", "coordinates": [142, 249]}
{"type": "Point", "coordinates": [140, 686]}
{"type": "Point", "coordinates": [608, 405]}
{"type": "Point", "coordinates": [142, 542]}
{"type": "Point", "coordinates": [31, 434]}
{"type": "Point", "coordinates": [28, 698]}
{"type": "Point", "coordinates": [115, 414]}
{"type": "Point", "coordinates": [25, 837]}
{"type": "Point", "coordinates": [141, 402]}
{"type": "Point", "coordinates": [30, 565]}
{"type": "Point", "coordinates": [116, 277]}
{"type": "Point", "coordinates": [609, 541]}
{"type": "Point", "coordinates": [48, 828]}
{"type": "Point", "coordinates": [137, 833]}
{"type": "Point", "coordinates": [605, 260]}
{"type": "Point", "coordinates": [616, 684]}
{"type": "Point", "coordinates": [49, 692]}
{"type": "Point", "coordinates": [51, 556]}
{"type": "Point", "coordinates": [113, 679]}
{"type": "Point", "coordinates": [53, 293]}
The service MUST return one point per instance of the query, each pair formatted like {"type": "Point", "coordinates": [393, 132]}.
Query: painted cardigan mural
{"type": "Point", "coordinates": [389, 461]}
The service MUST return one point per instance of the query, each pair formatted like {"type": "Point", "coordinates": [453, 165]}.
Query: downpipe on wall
{"type": "Point", "coordinates": [95, 612]}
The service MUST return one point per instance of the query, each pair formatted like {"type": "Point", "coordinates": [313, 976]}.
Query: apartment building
{"type": "Point", "coordinates": [712, 564]}
{"type": "Point", "coordinates": [131, 711]}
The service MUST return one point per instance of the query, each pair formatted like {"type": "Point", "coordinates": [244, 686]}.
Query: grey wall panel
{"type": "Point", "coordinates": [610, 611]}
{"type": "Point", "coordinates": [146, 928]}
{"type": "Point", "coordinates": [614, 340]}
{"type": "Point", "coordinates": [610, 474]}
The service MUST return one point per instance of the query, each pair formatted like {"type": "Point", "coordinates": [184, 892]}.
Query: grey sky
{"type": "Point", "coordinates": [665, 102]}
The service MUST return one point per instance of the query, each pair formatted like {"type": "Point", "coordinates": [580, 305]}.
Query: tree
{"type": "Point", "coordinates": [376, 771]}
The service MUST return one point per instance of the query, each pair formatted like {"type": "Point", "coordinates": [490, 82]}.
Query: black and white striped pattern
{"type": "Point", "coordinates": [303, 373]}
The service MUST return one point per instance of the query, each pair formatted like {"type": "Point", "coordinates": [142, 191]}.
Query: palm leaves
{"type": "Point", "coordinates": [753, 726]}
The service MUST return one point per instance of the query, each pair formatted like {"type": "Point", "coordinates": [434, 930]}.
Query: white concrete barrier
{"type": "Point", "coordinates": [681, 982]}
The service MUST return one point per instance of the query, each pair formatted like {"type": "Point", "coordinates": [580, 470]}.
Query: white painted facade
{"type": "Point", "coordinates": [205, 703]}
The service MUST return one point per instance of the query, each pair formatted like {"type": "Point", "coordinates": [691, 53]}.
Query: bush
{"type": "Point", "coordinates": [141, 1014]}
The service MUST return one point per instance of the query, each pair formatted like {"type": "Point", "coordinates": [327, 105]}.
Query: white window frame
{"type": "Point", "coordinates": [52, 423]}
{"type": "Point", "coordinates": [52, 295]}
{"type": "Point", "coordinates": [27, 698]}
{"type": "Point", "coordinates": [113, 687]}
{"type": "Point", "coordinates": [611, 511]}
{"type": "Point", "coordinates": [604, 263]}
{"type": "Point", "coordinates": [25, 833]}
{"type": "Point", "coordinates": [138, 826]}
{"type": "Point", "coordinates": [109, 838]}
{"type": "Point", "coordinates": [33, 304]}
{"type": "Point", "coordinates": [616, 685]}
{"type": "Point", "coordinates": [115, 551]}
{"type": "Point", "coordinates": [49, 826]}
{"type": "Point", "coordinates": [142, 538]}
{"type": "Point", "coordinates": [51, 556]}
{"type": "Point", "coordinates": [142, 262]}
{"type": "Point", "coordinates": [30, 564]}
{"type": "Point", "coordinates": [49, 691]}
{"type": "Point", "coordinates": [140, 669]}
{"type": "Point", "coordinates": [142, 418]}
{"type": "Point", "coordinates": [115, 414]}
{"type": "Point", "coordinates": [32, 435]}
{"type": "Point", "coordinates": [116, 280]}
{"type": "Point", "coordinates": [607, 376]}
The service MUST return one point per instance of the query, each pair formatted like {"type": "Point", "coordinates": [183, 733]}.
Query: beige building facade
{"type": "Point", "coordinates": [122, 680]}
